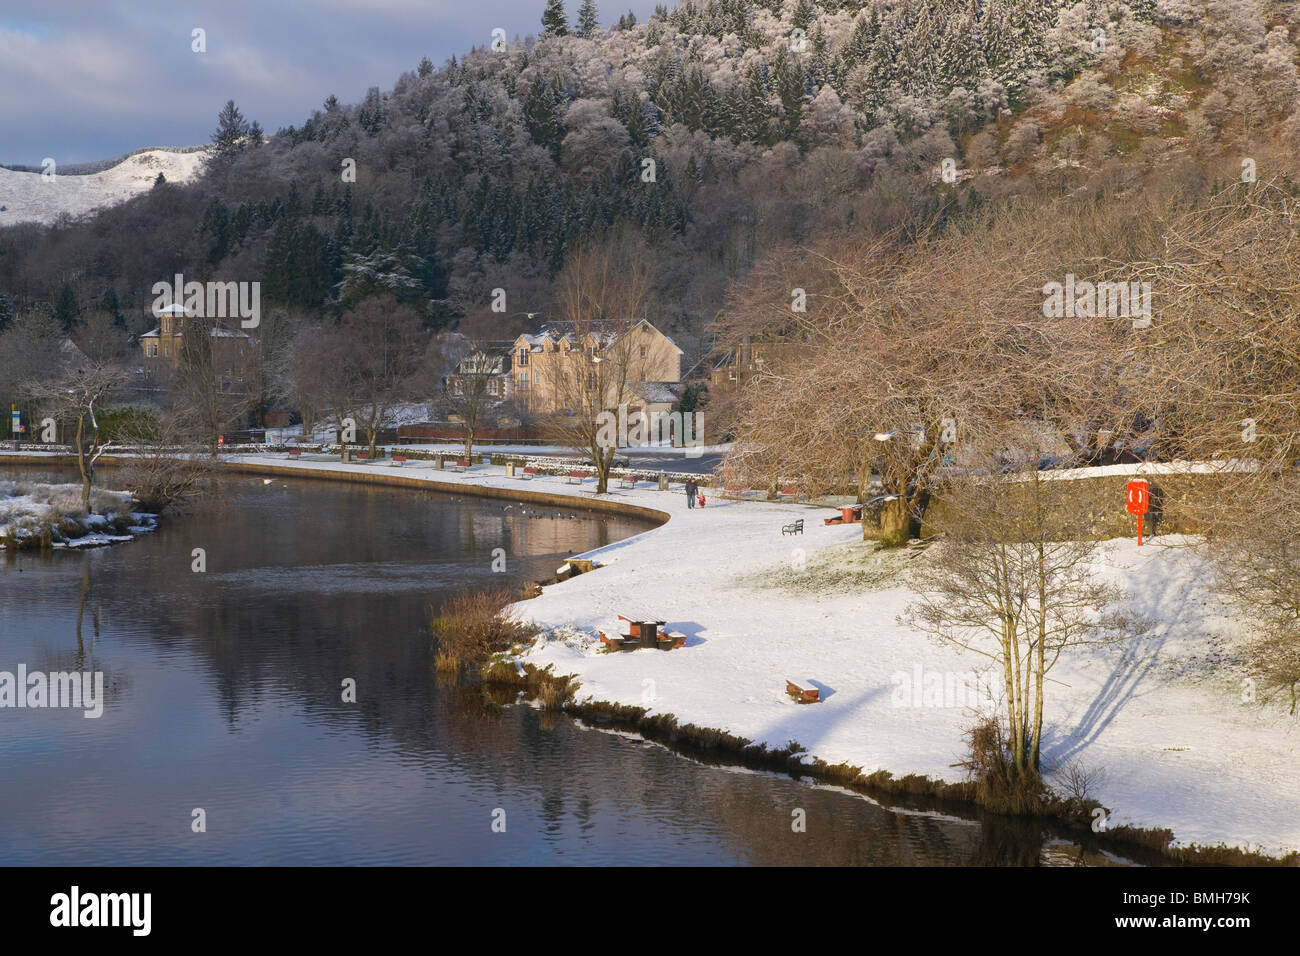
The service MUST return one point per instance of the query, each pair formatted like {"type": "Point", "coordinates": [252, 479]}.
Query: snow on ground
{"type": "Point", "coordinates": [34, 197]}
{"type": "Point", "coordinates": [28, 509]}
{"type": "Point", "coordinates": [1163, 716]}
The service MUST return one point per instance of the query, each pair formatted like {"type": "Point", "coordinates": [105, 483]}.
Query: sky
{"type": "Point", "coordinates": [83, 80]}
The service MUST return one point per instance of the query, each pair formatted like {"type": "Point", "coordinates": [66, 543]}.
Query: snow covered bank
{"type": "Point", "coordinates": [1165, 716]}
{"type": "Point", "coordinates": [32, 513]}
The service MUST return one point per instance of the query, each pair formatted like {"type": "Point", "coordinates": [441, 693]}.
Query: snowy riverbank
{"type": "Point", "coordinates": [36, 512]}
{"type": "Point", "coordinates": [1163, 716]}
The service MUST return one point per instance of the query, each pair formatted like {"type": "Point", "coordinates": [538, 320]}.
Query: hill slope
{"type": "Point", "coordinates": [32, 197]}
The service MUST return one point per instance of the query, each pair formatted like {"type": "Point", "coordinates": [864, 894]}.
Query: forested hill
{"type": "Point", "coordinates": [721, 130]}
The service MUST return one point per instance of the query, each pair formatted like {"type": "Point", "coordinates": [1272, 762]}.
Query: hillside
{"type": "Point", "coordinates": [721, 131]}
{"type": "Point", "coordinates": [30, 197]}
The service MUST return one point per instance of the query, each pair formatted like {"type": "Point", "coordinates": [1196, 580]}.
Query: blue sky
{"type": "Point", "coordinates": [82, 80]}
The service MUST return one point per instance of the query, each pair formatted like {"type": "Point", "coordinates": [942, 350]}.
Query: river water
{"type": "Point", "coordinates": [224, 694]}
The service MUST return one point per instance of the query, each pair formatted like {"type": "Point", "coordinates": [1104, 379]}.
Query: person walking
{"type": "Point", "coordinates": [691, 488]}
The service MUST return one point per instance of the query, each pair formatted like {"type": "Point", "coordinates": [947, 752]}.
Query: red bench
{"type": "Point", "coordinates": [802, 691]}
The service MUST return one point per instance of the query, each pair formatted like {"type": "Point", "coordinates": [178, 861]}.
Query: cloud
{"type": "Point", "coordinates": [83, 80]}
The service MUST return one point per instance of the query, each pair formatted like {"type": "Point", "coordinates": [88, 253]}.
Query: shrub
{"type": "Point", "coordinates": [473, 625]}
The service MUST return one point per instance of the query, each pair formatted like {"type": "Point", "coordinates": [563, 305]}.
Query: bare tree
{"type": "Point", "coordinates": [379, 348]}
{"type": "Point", "coordinates": [1010, 580]}
{"type": "Point", "coordinates": [1230, 356]}
{"type": "Point", "coordinates": [603, 292]}
{"type": "Point", "coordinates": [160, 471]}
{"type": "Point", "coordinates": [473, 388]}
{"type": "Point", "coordinates": [216, 381]}
{"type": "Point", "coordinates": [77, 399]}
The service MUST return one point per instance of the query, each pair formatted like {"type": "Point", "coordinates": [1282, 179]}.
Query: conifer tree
{"type": "Point", "coordinates": [232, 128]}
{"type": "Point", "coordinates": [587, 25]}
{"type": "Point", "coordinates": [555, 22]}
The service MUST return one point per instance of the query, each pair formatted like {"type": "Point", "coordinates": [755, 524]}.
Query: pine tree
{"type": "Point", "coordinates": [803, 14]}
{"type": "Point", "coordinates": [109, 303]}
{"type": "Point", "coordinates": [554, 20]}
{"type": "Point", "coordinates": [228, 140]}
{"type": "Point", "coordinates": [66, 309]}
{"type": "Point", "coordinates": [587, 25]}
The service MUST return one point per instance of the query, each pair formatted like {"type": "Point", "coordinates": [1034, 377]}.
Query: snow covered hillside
{"type": "Point", "coordinates": [34, 197]}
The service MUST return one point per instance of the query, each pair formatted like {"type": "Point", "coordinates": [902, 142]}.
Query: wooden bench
{"type": "Point", "coordinates": [576, 477]}
{"type": "Point", "coordinates": [794, 527]}
{"type": "Point", "coordinates": [803, 691]}
{"type": "Point", "coordinates": [399, 460]}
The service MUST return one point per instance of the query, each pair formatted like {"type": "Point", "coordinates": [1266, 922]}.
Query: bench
{"type": "Point", "coordinates": [794, 527]}
{"type": "Point", "coordinates": [803, 691]}
{"type": "Point", "coordinates": [576, 477]}
{"type": "Point", "coordinates": [399, 460]}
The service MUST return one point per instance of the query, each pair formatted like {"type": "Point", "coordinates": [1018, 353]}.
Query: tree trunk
{"type": "Point", "coordinates": [82, 465]}
{"type": "Point", "coordinates": [895, 523]}
{"type": "Point", "coordinates": [603, 460]}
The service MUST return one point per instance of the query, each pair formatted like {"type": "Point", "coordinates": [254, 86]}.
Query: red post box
{"type": "Point", "coordinates": [1139, 499]}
